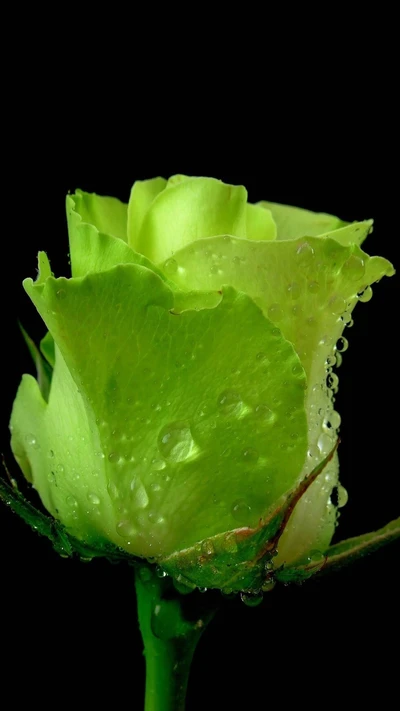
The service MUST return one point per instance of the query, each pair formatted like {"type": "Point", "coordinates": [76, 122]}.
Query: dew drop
{"type": "Point", "coordinates": [207, 548]}
{"type": "Point", "coordinates": [365, 295]}
{"type": "Point", "coordinates": [160, 573]}
{"type": "Point", "coordinates": [338, 305]}
{"type": "Point", "coordinates": [72, 502]}
{"type": "Point", "coordinates": [297, 369]}
{"type": "Point", "coordinates": [175, 441]}
{"type": "Point", "coordinates": [315, 559]}
{"type": "Point", "coordinates": [264, 413]}
{"type": "Point", "coordinates": [354, 268]}
{"type": "Point", "coordinates": [250, 455]}
{"type": "Point", "coordinates": [202, 590]}
{"type": "Point", "coordinates": [330, 361]}
{"type": "Point", "coordinates": [113, 491]}
{"type": "Point", "coordinates": [313, 452]}
{"type": "Point", "coordinates": [158, 464]}
{"type": "Point", "coordinates": [313, 287]}
{"type": "Point", "coordinates": [275, 312]}
{"type": "Point", "coordinates": [332, 381]}
{"type": "Point", "coordinates": [241, 511]}
{"type": "Point", "coordinates": [31, 440]}
{"type": "Point", "coordinates": [171, 266]}
{"type": "Point", "coordinates": [334, 419]}
{"type": "Point", "coordinates": [305, 253]}
{"type": "Point", "coordinates": [343, 496]}
{"type": "Point", "coordinates": [93, 498]}
{"type": "Point", "coordinates": [294, 290]}
{"type": "Point", "coordinates": [252, 599]}
{"type": "Point", "coordinates": [61, 294]}
{"type": "Point", "coordinates": [51, 454]}
{"type": "Point", "coordinates": [60, 468]}
{"type": "Point", "coordinates": [229, 402]}
{"type": "Point", "coordinates": [325, 443]}
{"type": "Point", "coordinates": [342, 345]}
{"type": "Point", "coordinates": [126, 529]}
{"type": "Point", "coordinates": [113, 457]}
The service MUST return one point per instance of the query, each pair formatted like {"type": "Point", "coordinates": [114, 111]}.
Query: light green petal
{"type": "Point", "coordinates": [47, 348]}
{"type": "Point", "coordinates": [55, 445]}
{"type": "Point", "coordinates": [260, 224]}
{"type": "Point", "coordinates": [191, 408]}
{"type": "Point", "coordinates": [107, 214]}
{"type": "Point", "coordinates": [190, 209]}
{"type": "Point", "coordinates": [294, 222]}
{"type": "Point", "coordinates": [308, 288]}
{"type": "Point", "coordinates": [93, 251]}
{"type": "Point", "coordinates": [141, 198]}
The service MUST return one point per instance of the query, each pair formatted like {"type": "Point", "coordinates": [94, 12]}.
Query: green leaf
{"type": "Point", "coordinates": [294, 222]}
{"type": "Point", "coordinates": [94, 251]}
{"type": "Point", "coordinates": [107, 214]}
{"type": "Point", "coordinates": [344, 553]}
{"type": "Point", "coordinates": [48, 349]}
{"type": "Point", "coordinates": [191, 421]}
{"type": "Point", "coordinates": [142, 196]}
{"type": "Point", "coordinates": [43, 368]}
{"type": "Point", "coordinates": [308, 288]}
{"type": "Point", "coordinates": [190, 209]}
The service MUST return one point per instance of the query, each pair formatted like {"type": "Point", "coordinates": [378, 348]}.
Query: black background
{"type": "Point", "coordinates": [69, 629]}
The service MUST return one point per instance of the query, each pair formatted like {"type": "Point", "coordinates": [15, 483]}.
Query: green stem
{"type": "Point", "coordinates": [169, 638]}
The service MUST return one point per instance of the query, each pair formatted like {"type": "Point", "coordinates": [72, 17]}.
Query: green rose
{"type": "Point", "coordinates": [184, 410]}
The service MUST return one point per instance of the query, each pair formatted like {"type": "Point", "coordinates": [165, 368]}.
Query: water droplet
{"type": "Point", "coordinates": [343, 496]}
{"type": "Point", "coordinates": [207, 548]}
{"type": "Point", "coordinates": [315, 559]}
{"type": "Point", "coordinates": [264, 413]}
{"type": "Point", "coordinates": [330, 361]}
{"type": "Point", "coordinates": [93, 498]}
{"type": "Point", "coordinates": [313, 287]}
{"type": "Point", "coordinates": [113, 457]}
{"type": "Point", "coordinates": [202, 590]}
{"type": "Point", "coordinates": [126, 529]}
{"type": "Point", "coordinates": [72, 502]}
{"type": "Point", "coordinates": [171, 266]}
{"type": "Point", "coordinates": [241, 512]}
{"type": "Point", "coordinates": [252, 599]}
{"type": "Point", "coordinates": [158, 464]}
{"type": "Point", "coordinates": [60, 468]}
{"type": "Point", "coordinates": [275, 312]}
{"type": "Point", "coordinates": [365, 295]}
{"type": "Point", "coordinates": [332, 381]}
{"type": "Point", "coordinates": [305, 253]}
{"type": "Point", "coordinates": [161, 573]}
{"type": "Point", "coordinates": [31, 440]}
{"type": "Point", "coordinates": [294, 290]}
{"type": "Point", "coordinates": [51, 454]}
{"type": "Point", "coordinates": [297, 369]}
{"type": "Point", "coordinates": [155, 487]}
{"type": "Point", "coordinates": [342, 345]}
{"type": "Point", "coordinates": [99, 454]}
{"type": "Point", "coordinates": [334, 419]}
{"type": "Point", "coordinates": [325, 443]}
{"type": "Point", "coordinates": [313, 452]}
{"type": "Point", "coordinates": [215, 269]}
{"type": "Point", "coordinates": [338, 305]}
{"type": "Point", "coordinates": [61, 294]}
{"type": "Point", "coordinates": [175, 441]}
{"type": "Point", "coordinates": [260, 356]}
{"type": "Point", "coordinates": [229, 402]}
{"type": "Point", "coordinates": [250, 455]}
{"type": "Point", "coordinates": [354, 268]}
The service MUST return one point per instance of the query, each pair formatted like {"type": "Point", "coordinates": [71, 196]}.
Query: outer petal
{"type": "Point", "coordinates": [308, 288]}
{"type": "Point", "coordinates": [189, 409]}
